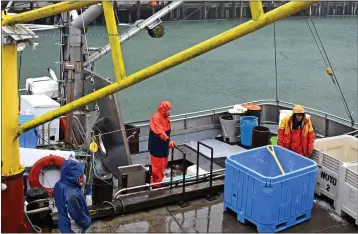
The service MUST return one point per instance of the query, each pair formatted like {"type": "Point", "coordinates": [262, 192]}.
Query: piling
{"type": "Point", "coordinates": [233, 10]}
{"type": "Point", "coordinates": [138, 10]}
{"type": "Point", "coordinates": [222, 10]}
{"type": "Point", "coordinates": [133, 11]}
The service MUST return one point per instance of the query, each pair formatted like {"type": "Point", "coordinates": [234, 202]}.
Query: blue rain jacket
{"type": "Point", "coordinates": [70, 202]}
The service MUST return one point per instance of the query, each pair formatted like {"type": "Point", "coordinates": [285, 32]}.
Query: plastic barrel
{"type": "Point", "coordinates": [253, 110]}
{"type": "Point", "coordinates": [247, 124]}
{"type": "Point", "coordinates": [260, 136]}
{"type": "Point", "coordinates": [102, 189]}
{"type": "Point", "coordinates": [29, 138]}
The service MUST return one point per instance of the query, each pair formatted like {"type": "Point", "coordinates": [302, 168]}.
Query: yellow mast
{"type": "Point", "coordinates": [114, 41]}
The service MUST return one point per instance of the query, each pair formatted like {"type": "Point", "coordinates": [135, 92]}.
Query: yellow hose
{"type": "Point", "coordinates": [272, 151]}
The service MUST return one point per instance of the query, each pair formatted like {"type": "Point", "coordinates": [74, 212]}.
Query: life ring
{"type": "Point", "coordinates": [34, 174]}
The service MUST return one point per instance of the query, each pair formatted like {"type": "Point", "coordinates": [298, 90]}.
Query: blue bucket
{"type": "Point", "coordinates": [247, 124]}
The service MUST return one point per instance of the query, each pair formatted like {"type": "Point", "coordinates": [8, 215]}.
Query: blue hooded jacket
{"type": "Point", "coordinates": [70, 202]}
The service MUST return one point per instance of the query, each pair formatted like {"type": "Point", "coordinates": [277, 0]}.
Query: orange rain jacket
{"type": "Point", "coordinates": [158, 143]}
{"type": "Point", "coordinates": [300, 140]}
{"type": "Point", "coordinates": [159, 134]}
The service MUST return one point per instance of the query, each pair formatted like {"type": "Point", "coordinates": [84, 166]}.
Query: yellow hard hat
{"type": "Point", "coordinates": [298, 109]}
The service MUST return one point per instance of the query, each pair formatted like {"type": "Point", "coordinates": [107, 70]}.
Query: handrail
{"type": "Point", "coordinates": [191, 179]}
{"type": "Point", "coordinates": [211, 161]}
{"type": "Point", "coordinates": [184, 171]}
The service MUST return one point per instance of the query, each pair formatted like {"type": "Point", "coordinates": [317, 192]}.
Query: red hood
{"type": "Point", "coordinates": [164, 107]}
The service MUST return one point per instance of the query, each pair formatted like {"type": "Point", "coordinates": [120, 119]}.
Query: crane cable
{"type": "Point", "coordinates": [274, 41]}
{"type": "Point", "coordinates": [329, 68]}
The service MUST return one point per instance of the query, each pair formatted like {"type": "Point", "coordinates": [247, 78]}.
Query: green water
{"type": "Point", "coordinates": [240, 71]}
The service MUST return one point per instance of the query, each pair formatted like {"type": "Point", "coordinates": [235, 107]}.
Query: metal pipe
{"type": "Point", "coordinates": [256, 9]}
{"type": "Point", "coordinates": [39, 27]}
{"type": "Point", "coordinates": [179, 58]}
{"type": "Point", "coordinates": [352, 132]}
{"type": "Point", "coordinates": [69, 114]}
{"type": "Point", "coordinates": [87, 16]}
{"type": "Point", "coordinates": [184, 171]}
{"type": "Point", "coordinates": [8, 6]}
{"type": "Point", "coordinates": [204, 176]}
{"type": "Point", "coordinates": [197, 161]}
{"type": "Point", "coordinates": [211, 160]}
{"type": "Point", "coordinates": [43, 135]}
{"type": "Point", "coordinates": [38, 210]}
{"type": "Point", "coordinates": [171, 171]}
{"type": "Point", "coordinates": [115, 43]}
{"type": "Point", "coordinates": [39, 200]}
{"type": "Point", "coordinates": [46, 11]}
{"type": "Point", "coordinates": [136, 29]}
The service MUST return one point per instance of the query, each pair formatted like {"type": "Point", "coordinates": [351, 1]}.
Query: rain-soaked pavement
{"type": "Point", "coordinates": [209, 216]}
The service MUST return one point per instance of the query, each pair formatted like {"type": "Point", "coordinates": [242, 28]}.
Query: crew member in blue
{"type": "Point", "coordinates": [73, 214]}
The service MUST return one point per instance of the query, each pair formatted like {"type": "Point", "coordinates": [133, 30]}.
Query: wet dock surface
{"type": "Point", "coordinates": [209, 216]}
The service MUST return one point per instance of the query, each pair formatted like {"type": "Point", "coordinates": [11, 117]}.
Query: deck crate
{"type": "Point", "coordinates": [330, 153]}
{"type": "Point", "coordinates": [347, 199]}
{"type": "Point", "coordinates": [257, 191]}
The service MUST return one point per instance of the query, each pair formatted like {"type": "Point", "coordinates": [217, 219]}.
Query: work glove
{"type": "Point", "coordinates": [171, 144]}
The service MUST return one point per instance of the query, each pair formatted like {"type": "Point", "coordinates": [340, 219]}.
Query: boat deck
{"type": "Point", "coordinates": [209, 216]}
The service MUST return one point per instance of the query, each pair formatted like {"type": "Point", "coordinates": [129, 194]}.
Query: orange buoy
{"type": "Point", "coordinates": [34, 174]}
{"type": "Point", "coordinates": [251, 106]}
{"type": "Point", "coordinates": [153, 3]}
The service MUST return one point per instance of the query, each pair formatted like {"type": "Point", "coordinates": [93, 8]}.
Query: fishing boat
{"type": "Point", "coordinates": [78, 116]}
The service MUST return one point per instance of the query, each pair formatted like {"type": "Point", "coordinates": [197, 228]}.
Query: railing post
{"type": "Point", "coordinates": [211, 167]}
{"type": "Point", "coordinates": [171, 170]}
{"type": "Point", "coordinates": [197, 163]}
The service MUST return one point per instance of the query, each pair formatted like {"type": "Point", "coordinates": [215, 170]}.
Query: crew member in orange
{"type": "Point", "coordinates": [296, 132]}
{"type": "Point", "coordinates": [159, 141]}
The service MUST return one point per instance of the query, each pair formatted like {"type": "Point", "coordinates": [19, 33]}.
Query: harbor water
{"type": "Point", "coordinates": [241, 71]}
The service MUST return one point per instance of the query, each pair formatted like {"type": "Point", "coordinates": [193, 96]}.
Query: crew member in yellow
{"type": "Point", "coordinates": [296, 132]}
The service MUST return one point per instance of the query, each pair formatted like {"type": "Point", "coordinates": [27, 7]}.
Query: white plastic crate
{"type": "Point", "coordinates": [347, 199]}
{"type": "Point", "coordinates": [39, 105]}
{"type": "Point", "coordinates": [330, 154]}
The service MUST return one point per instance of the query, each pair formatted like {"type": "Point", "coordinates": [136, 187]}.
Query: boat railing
{"type": "Point", "coordinates": [353, 133]}
{"type": "Point", "coordinates": [221, 110]}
